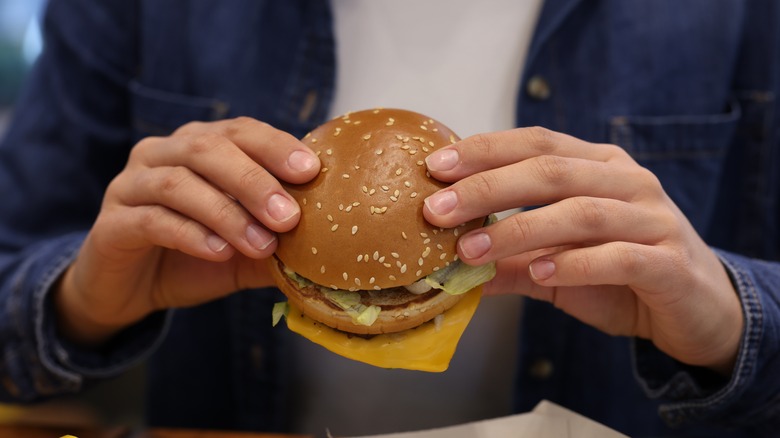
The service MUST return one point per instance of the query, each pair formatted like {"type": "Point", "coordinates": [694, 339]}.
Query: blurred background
{"type": "Point", "coordinates": [116, 402]}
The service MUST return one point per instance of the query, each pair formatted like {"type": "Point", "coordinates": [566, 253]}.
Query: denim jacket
{"type": "Point", "coordinates": [688, 87]}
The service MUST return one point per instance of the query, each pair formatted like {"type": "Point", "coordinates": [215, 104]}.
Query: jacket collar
{"type": "Point", "coordinates": [552, 15]}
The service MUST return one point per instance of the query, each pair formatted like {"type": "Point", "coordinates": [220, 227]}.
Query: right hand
{"type": "Point", "coordinates": [191, 218]}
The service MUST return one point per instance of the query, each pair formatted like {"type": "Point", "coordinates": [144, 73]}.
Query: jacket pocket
{"type": "Point", "coordinates": [157, 112]}
{"type": "Point", "coordinates": [687, 153]}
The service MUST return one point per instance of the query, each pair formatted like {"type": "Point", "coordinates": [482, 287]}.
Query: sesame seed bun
{"type": "Point", "coordinates": [362, 227]}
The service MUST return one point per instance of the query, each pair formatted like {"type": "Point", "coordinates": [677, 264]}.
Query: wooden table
{"type": "Point", "coordinates": [12, 431]}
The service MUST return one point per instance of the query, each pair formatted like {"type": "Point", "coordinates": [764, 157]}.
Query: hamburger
{"type": "Point", "coordinates": [363, 263]}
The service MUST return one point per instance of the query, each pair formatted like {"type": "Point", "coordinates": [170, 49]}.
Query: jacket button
{"type": "Point", "coordinates": [538, 88]}
{"type": "Point", "coordinates": [541, 369]}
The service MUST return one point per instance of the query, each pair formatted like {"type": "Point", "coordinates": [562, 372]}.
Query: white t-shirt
{"type": "Point", "coordinates": [458, 61]}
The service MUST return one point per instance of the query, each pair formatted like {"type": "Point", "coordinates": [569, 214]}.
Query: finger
{"type": "Point", "coordinates": [537, 181]}
{"type": "Point", "coordinates": [226, 166]}
{"type": "Point", "coordinates": [181, 190]}
{"type": "Point", "coordinates": [160, 226]}
{"type": "Point", "coordinates": [489, 151]}
{"type": "Point", "coordinates": [281, 153]}
{"type": "Point", "coordinates": [613, 263]}
{"type": "Point", "coordinates": [579, 221]}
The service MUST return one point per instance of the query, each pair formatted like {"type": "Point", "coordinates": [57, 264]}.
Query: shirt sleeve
{"type": "Point", "coordinates": [749, 399]}
{"type": "Point", "coordinates": [69, 136]}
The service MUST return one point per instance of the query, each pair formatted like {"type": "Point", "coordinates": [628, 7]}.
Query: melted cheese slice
{"type": "Point", "coordinates": [425, 348]}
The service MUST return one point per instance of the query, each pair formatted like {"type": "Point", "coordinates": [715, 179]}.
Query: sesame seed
{"type": "Point", "coordinates": [452, 138]}
{"type": "Point", "coordinates": [412, 152]}
{"type": "Point", "coordinates": [427, 251]}
{"type": "Point", "coordinates": [324, 169]}
{"type": "Point", "coordinates": [399, 171]}
{"type": "Point", "coordinates": [329, 151]}
{"type": "Point", "coordinates": [431, 144]}
{"type": "Point", "coordinates": [406, 140]}
{"type": "Point", "coordinates": [357, 122]}
{"type": "Point", "coordinates": [322, 269]}
{"type": "Point", "coordinates": [366, 137]}
{"type": "Point", "coordinates": [365, 258]}
{"type": "Point", "coordinates": [391, 277]}
{"type": "Point", "coordinates": [348, 209]}
{"type": "Point", "coordinates": [345, 175]}
{"type": "Point", "coordinates": [413, 195]}
{"type": "Point", "coordinates": [426, 150]}
{"type": "Point", "coordinates": [420, 261]}
{"type": "Point", "coordinates": [426, 241]}
{"type": "Point", "coordinates": [371, 280]}
{"type": "Point", "coordinates": [418, 273]}
{"type": "Point", "coordinates": [382, 259]}
{"type": "Point", "coordinates": [396, 193]}
{"type": "Point", "coordinates": [377, 288]}
{"type": "Point", "coordinates": [330, 218]}
{"type": "Point", "coordinates": [385, 188]}
{"type": "Point", "coordinates": [393, 198]}
{"type": "Point", "coordinates": [407, 184]}
{"type": "Point", "coordinates": [333, 286]}
{"type": "Point", "coordinates": [423, 235]}
{"type": "Point", "coordinates": [398, 263]}
{"type": "Point", "coordinates": [399, 137]}
{"type": "Point", "coordinates": [313, 250]}
{"type": "Point", "coordinates": [354, 229]}
{"type": "Point", "coordinates": [403, 235]}
{"type": "Point", "coordinates": [373, 210]}
{"type": "Point", "coordinates": [345, 276]}
{"type": "Point", "coordinates": [423, 127]}
{"type": "Point", "coordinates": [357, 281]}
{"type": "Point", "coordinates": [355, 204]}
{"type": "Point", "coordinates": [435, 268]}
{"type": "Point", "coordinates": [442, 256]}
{"type": "Point", "coordinates": [314, 140]}
{"type": "Point", "coordinates": [357, 167]}
{"type": "Point", "coordinates": [387, 265]}
{"type": "Point", "coordinates": [334, 227]}
{"type": "Point", "coordinates": [371, 192]}
{"type": "Point", "coordinates": [319, 206]}
{"type": "Point", "coordinates": [319, 153]}
{"type": "Point", "coordinates": [441, 248]}
{"type": "Point", "coordinates": [338, 131]}
{"type": "Point", "coordinates": [360, 257]}
{"type": "Point", "coordinates": [376, 255]}
{"type": "Point", "coordinates": [394, 254]}
{"type": "Point", "coordinates": [341, 207]}
{"type": "Point", "coordinates": [405, 147]}
{"type": "Point", "coordinates": [365, 189]}
{"type": "Point", "coordinates": [403, 269]}
{"type": "Point", "coordinates": [379, 151]}
{"type": "Point", "coordinates": [383, 209]}
{"type": "Point", "coordinates": [455, 259]}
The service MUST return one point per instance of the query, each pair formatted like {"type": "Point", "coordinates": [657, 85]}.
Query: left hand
{"type": "Point", "coordinates": [608, 246]}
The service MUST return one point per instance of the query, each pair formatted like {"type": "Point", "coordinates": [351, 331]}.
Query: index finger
{"type": "Point", "coordinates": [497, 149]}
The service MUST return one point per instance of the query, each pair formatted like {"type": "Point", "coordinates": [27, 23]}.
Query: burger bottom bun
{"type": "Point", "coordinates": [401, 310]}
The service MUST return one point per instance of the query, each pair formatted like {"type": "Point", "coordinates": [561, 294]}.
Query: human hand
{"type": "Point", "coordinates": [188, 220]}
{"type": "Point", "coordinates": [608, 246]}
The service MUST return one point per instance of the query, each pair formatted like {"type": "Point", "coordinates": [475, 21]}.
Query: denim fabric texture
{"type": "Point", "coordinates": [687, 87]}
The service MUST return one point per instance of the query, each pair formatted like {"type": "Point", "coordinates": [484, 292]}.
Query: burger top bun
{"type": "Point", "coordinates": [362, 226]}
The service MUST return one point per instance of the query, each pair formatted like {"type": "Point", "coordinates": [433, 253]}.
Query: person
{"type": "Point", "coordinates": [142, 171]}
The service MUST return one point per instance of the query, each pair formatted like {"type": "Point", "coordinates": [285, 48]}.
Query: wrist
{"type": "Point", "coordinates": [75, 320]}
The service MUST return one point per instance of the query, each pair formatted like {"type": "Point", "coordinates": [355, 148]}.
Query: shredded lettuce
{"type": "Point", "coordinates": [350, 303]}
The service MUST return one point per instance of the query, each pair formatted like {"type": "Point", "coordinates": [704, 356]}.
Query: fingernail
{"type": "Point", "coordinates": [301, 161]}
{"type": "Point", "coordinates": [442, 203]}
{"type": "Point", "coordinates": [541, 269]}
{"type": "Point", "coordinates": [476, 245]}
{"type": "Point", "coordinates": [259, 237]}
{"type": "Point", "coordinates": [216, 243]}
{"type": "Point", "coordinates": [442, 160]}
{"type": "Point", "coordinates": [281, 208]}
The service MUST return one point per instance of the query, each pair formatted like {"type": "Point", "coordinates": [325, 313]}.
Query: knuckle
{"type": "Point", "coordinates": [541, 138]}
{"type": "Point", "coordinates": [252, 177]}
{"type": "Point", "coordinates": [589, 213]}
{"type": "Point", "coordinates": [224, 211]}
{"type": "Point", "coordinates": [235, 126]}
{"type": "Point", "coordinates": [553, 169]}
{"type": "Point", "coordinates": [484, 144]}
{"type": "Point", "coordinates": [486, 185]}
{"type": "Point", "coordinates": [190, 128]}
{"type": "Point", "coordinates": [628, 259]}
{"type": "Point", "coordinates": [582, 264]}
{"type": "Point", "coordinates": [520, 227]}
{"type": "Point", "coordinates": [173, 180]}
{"type": "Point", "coordinates": [205, 143]}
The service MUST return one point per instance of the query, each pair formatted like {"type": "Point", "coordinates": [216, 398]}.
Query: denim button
{"type": "Point", "coordinates": [541, 369]}
{"type": "Point", "coordinates": [538, 88]}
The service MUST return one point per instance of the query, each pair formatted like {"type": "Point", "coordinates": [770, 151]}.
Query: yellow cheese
{"type": "Point", "coordinates": [425, 348]}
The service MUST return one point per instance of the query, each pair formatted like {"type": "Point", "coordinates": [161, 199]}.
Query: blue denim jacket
{"type": "Point", "coordinates": [688, 87]}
